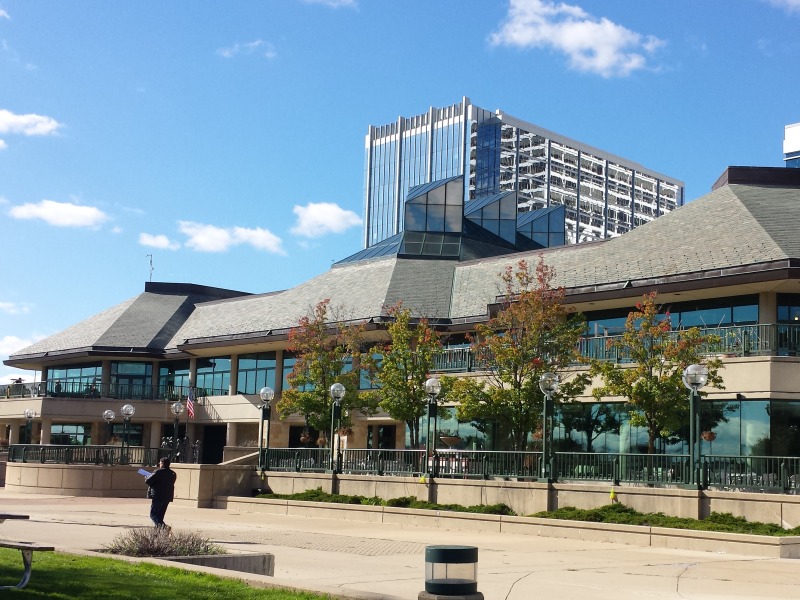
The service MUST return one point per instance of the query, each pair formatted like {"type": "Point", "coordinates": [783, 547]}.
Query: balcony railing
{"type": "Point", "coordinates": [119, 391]}
{"type": "Point", "coordinates": [737, 340]}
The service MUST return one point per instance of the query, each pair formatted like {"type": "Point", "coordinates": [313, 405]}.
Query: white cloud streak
{"type": "Point", "coordinates": [161, 242]}
{"type": "Point", "coordinates": [60, 214]}
{"type": "Point", "coordinates": [13, 308]}
{"type": "Point", "coordinates": [4, 14]}
{"type": "Point", "coordinates": [257, 46]}
{"type": "Point", "coordinates": [592, 45]}
{"type": "Point", "coordinates": [334, 3]}
{"type": "Point", "coordinates": [210, 238]}
{"type": "Point", "coordinates": [320, 218]}
{"type": "Point", "coordinates": [790, 6]}
{"type": "Point", "coordinates": [28, 124]}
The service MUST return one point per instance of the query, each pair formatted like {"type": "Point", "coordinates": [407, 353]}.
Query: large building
{"type": "Point", "coordinates": [791, 145]}
{"type": "Point", "coordinates": [604, 195]}
{"type": "Point", "coordinates": [728, 262]}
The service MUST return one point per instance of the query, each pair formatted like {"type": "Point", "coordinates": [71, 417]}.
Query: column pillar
{"type": "Point", "coordinates": [13, 432]}
{"type": "Point", "coordinates": [46, 429]}
{"type": "Point", "coordinates": [768, 307]}
{"type": "Point", "coordinates": [231, 435]}
{"type": "Point", "coordinates": [105, 380]}
{"type": "Point", "coordinates": [156, 428]}
{"type": "Point", "coordinates": [234, 380]}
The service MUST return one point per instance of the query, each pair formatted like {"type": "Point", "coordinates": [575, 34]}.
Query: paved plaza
{"type": "Point", "coordinates": [371, 561]}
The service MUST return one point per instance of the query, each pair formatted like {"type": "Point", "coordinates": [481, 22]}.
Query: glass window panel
{"type": "Point", "coordinates": [436, 195]}
{"type": "Point", "coordinates": [508, 207]}
{"type": "Point", "coordinates": [492, 225]}
{"type": "Point", "coordinates": [455, 192]}
{"type": "Point", "coordinates": [747, 314]}
{"type": "Point", "coordinates": [755, 428]}
{"type": "Point", "coordinates": [492, 211]}
{"type": "Point", "coordinates": [435, 218]}
{"type": "Point", "coordinates": [415, 217]}
{"type": "Point", "coordinates": [508, 230]}
{"type": "Point", "coordinates": [452, 219]}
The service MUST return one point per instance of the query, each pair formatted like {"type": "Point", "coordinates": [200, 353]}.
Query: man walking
{"type": "Point", "coordinates": [161, 491]}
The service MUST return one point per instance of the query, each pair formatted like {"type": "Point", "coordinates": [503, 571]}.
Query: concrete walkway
{"type": "Point", "coordinates": [369, 561]}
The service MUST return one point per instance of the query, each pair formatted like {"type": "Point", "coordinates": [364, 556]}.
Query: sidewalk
{"type": "Point", "coordinates": [369, 561]}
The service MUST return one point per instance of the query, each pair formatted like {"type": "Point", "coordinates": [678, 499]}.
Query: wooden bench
{"type": "Point", "coordinates": [27, 549]}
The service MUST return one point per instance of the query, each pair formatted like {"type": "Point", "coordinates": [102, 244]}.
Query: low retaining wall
{"type": "Point", "coordinates": [657, 537]}
{"type": "Point", "coordinates": [196, 485]}
{"type": "Point", "coordinates": [260, 564]}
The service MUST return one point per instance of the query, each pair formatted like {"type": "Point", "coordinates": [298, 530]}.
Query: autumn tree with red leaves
{"type": "Point", "coordinates": [533, 333]}
{"type": "Point", "coordinates": [326, 350]}
{"type": "Point", "coordinates": [652, 382]}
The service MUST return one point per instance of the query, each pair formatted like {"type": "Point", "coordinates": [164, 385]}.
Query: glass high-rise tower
{"type": "Point", "coordinates": [604, 195]}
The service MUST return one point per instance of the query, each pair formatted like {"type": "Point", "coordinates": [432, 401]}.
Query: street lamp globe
{"type": "Point", "coordinates": [177, 409]}
{"type": "Point", "coordinates": [548, 383]}
{"type": "Point", "coordinates": [128, 411]}
{"type": "Point", "coordinates": [337, 392]}
{"type": "Point", "coordinates": [109, 415]}
{"type": "Point", "coordinates": [433, 387]}
{"type": "Point", "coordinates": [29, 414]}
{"type": "Point", "coordinates": [694, 377]}
{"type": "Point", "coordinates": [266, 394]}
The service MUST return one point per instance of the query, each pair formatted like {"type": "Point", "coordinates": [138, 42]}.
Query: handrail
{"type": "Point", "coordinates": [762, 473]}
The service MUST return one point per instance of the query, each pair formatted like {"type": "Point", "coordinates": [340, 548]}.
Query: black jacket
{"type": "Point", "coordinates": [162, 485]}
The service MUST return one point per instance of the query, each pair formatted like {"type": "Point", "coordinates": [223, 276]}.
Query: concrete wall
{"type": "Point", "coordinates": [196, 485]}
{"type": "Point", "coordinates": [199, 485]}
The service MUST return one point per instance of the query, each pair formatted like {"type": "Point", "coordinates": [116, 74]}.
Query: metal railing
{"type": "Point", "coordinates": [86, 455]}
{"type": "Point", "coordinates": [745, 473]}
{"type": "Point", "coordinates": [110, 390]}
{"type": "Point", "coordinates": [735, 340]}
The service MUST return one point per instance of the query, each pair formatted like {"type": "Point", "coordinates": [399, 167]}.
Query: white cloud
{"type": "Point", "coordinates": [592, 45]}
{"type": "Point", "coordinates": [157, 241]}
{"type": "Point", "coordinates": [60, 214]}
{"type": "Point", "coordinates": [3, 145]}
{"type": "Point", "coordinates": [334, 3]}
{"type": "Point", "coordinates": [319, 218]}
{"type": "Point", "coordinates": [13, 308]}
{"type": "Point", "coordinates": [4, 14]}
{"type": "Point", "coordinates": [210, 238]}
{"type": "Point", "coordinates": [29, 124]}
{"type": "Point", "coordinates": [11, 343]}
{"type": "Point", "coordinates": [788, 5]}
{"type": "Point", "coordinates": [267, 49]}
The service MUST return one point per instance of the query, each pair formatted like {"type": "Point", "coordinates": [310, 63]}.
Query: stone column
{"type": "Point", "coordinates": [46, 427]}
{"type": "Point", "coordinates": [234, 380]}
{"type": "Point", "coordinates": [231, 435]}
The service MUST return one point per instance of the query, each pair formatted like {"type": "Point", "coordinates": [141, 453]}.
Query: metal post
{"type": "Point", "coordinates": [337, 392]}
{"type": "Point", "coordinates": [548, 384]}
{"type": "Point", "coordinates": [266, 394]}
{"type": "Point", "coordinates": [433, 388]}
{"type": "Point", "coordinates": [694, 377]}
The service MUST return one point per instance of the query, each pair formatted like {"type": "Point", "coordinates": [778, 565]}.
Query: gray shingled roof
{"type": "Point", "coordinates": [357, 291]}
{"type": "Point", "coordinates": [735, 225]}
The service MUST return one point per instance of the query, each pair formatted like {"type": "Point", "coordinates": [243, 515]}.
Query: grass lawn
{"type": "Point", "coordinates": [67, 576]}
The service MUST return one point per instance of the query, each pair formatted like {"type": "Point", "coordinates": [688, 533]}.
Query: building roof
{"type": "Point", "coordinates": [737, 233]}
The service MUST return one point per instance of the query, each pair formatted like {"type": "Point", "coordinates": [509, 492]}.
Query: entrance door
{"type": "Point", "coordinates": [214, 437]}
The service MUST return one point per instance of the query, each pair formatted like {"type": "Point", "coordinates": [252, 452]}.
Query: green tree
{"type": "Point", "coordinates": [533, 333]}
{"type": "Point", "coordinates": [404, 365]}
{"type": "Point", "coordinates": [652, 383]}
{"type": "Point", "coordinates": [326, 352]}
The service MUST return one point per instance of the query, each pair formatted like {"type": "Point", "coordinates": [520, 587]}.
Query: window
{"type": "Point", "coordinates": [255, 372]}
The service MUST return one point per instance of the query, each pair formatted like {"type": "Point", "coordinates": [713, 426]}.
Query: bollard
{"type": "Point", "coordinates": [451, 572]}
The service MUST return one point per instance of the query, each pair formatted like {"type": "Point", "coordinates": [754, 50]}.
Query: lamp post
{"type": "Point", "coordinates": [127, 412]}
{"type": "Point", "coordinates": [694, 377]}
{"type": "Point", "coordinates": [30, 415]}
{"type": "Point", "coordinates": [337, 393]}
{"type": "Point", "coordinates": [266, 394]}
{"type": "Point", "coordinates": [108, 417]}
{"type": "Point", "coordinates": [548, 383]}
{"type": "Point", "coordinates": [433, 387]}
{"type": "Point", "coordinates": [177, 410]}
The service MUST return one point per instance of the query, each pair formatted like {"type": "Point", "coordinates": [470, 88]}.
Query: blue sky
{"type": "Point", "coordinates": [226, 139]}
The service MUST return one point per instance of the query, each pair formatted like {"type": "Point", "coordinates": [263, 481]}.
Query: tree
{"type": "Point", "coordinates": [653, 384]}
{"type": "Point", "coordinates": [533, 333]}
{"type": "Point", "coordinates": [326, 353]}
{"type": "Point", "coordinates": [404, 365]}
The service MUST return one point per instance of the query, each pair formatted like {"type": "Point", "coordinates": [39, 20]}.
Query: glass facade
{"type": "Point", "coordinates": [255, 372]}
{"type": "Point", "coordinates": [214, 375]}
{"type": "Point", "coordinates": [75, 380]}
{"type": "Point", "coordinates": [604, 195]}
{"type": "Point", "coordinates": [174, 378]}
{"type": "Point", "coordinates": [132, 379]}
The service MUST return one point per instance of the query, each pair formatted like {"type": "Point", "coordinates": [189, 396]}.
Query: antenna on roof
{"type": "Point", "coordinates": [150, 256]}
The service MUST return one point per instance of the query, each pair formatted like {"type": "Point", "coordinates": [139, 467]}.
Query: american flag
{"type": "Point", "coordinates": [190, 403]}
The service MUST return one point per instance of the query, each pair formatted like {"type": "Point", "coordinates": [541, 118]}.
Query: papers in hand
{"type": "Point", "coordinates": [145, 473]}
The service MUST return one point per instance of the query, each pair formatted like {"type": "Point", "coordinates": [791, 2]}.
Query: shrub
{"type": "Point", "coordinates": [159, 541]}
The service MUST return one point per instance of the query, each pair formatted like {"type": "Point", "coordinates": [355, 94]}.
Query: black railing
{"type": "Point", "coordinates": [733, 341]}
{"type": "Point", "coordinates": [746, 473]}
{"type": "Point", "coordinates": [110, 390]}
